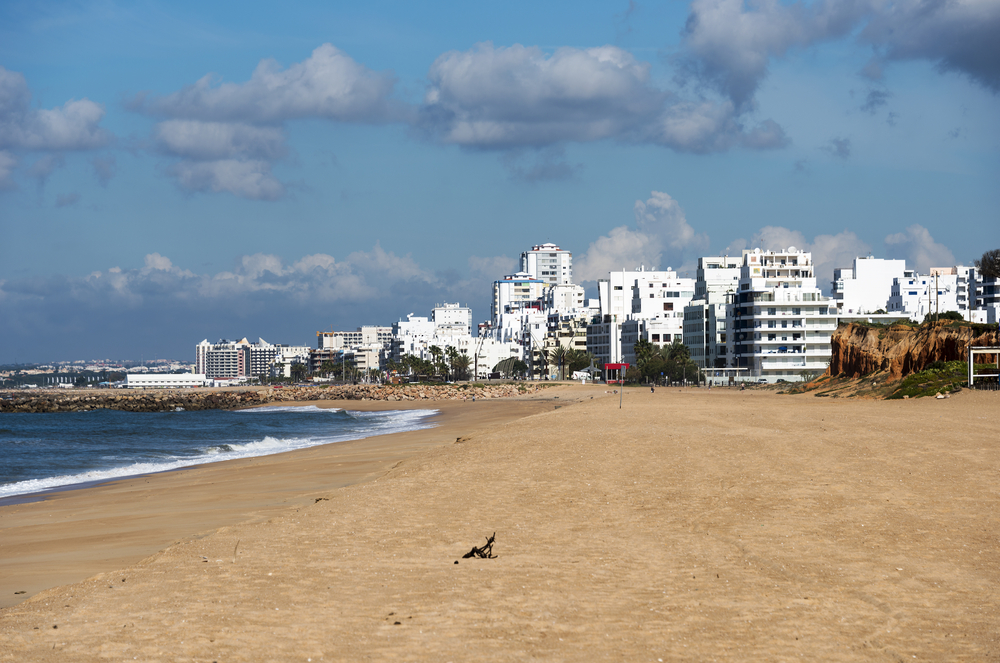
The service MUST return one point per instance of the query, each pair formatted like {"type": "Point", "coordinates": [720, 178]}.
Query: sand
{"type": "Point", "coordinates": [687, 525]}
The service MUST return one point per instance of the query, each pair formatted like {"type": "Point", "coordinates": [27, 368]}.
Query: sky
{"type": "Point", "coordinates": [172, 172]}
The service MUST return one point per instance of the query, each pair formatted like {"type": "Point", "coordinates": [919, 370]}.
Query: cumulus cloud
{"type": "Point", "coordinates": [728, 45]}
{"type": "Point", "coordinates": [520, 97]}
{"type": "Point", "coordinates": [227, 136]}
{"type": "Point", "coordinates": [662, 238]}
{"type": "Point", "coordinates": [74, 126]}
{"type": "Point", "coordinates": [247, 179]}
{"type": "Point", "coordinates": [958, 36]}
{"type": "Point", "coordinates": [491, 268]}
{"type": "Point", "coordinates": [165, 306]}
{"type": "Point", "coordinates": [828, 251]}
{"type": "Point", "coordinates": [919, 249]}
{"type": "Point", "coordinates": [328, 84]}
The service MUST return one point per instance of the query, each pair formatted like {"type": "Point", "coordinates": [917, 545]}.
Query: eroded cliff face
{"type": "Point", "coordinates": [859, 350]}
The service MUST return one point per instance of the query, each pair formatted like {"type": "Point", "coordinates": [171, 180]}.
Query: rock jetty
{"type": "Point", "coordinates": [165, 400]}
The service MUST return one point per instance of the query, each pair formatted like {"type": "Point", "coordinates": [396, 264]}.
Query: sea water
{"type": "Point", "coordinates": [40, 452]}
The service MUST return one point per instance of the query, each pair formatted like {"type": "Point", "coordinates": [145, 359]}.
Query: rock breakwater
{"type": "Point", "coordinates": [166, 400]}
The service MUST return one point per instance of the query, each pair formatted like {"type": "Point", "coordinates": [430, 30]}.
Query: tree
{"type": "Point", "coordinates": [327, 367]}
{"type": "Point", "coordinates": [452, 355]}
{"type": "Point", "coordinates": [558, 357]}
{"type": "Point", "coordinates": [460, 366]}
{"type": "Point", "coordinates": [298, 371]}
{"type": "Point", "coordinates": [989, 264]}
{"type": "Point", "coordinates": [436, 355]}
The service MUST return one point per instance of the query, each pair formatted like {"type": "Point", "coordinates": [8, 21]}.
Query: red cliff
{"type": "Point", "coordinates": [902, 349]}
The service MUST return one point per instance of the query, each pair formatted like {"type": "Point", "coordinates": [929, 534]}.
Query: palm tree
{"type": "Point", "coordinates": [327, 367]}
{"type": "Point", "coordinates": [558, 357]}
{"type": "Point", "coordinates": [436, 354]}
{"type": "Point", "coordinates": [460, 366]}
{"type": "Point", "coordinates": [452, 354]}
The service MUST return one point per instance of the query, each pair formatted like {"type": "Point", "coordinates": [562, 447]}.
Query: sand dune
{"type": "Point", "coordinates": [687, 525]}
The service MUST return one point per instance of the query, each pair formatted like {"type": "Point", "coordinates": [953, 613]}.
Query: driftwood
{"type": "Point", "coordinates": [486, 552]}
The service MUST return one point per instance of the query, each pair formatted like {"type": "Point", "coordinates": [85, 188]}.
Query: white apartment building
{"type": "Point", "coordinates": [944, 289]}
{"type": "Point", "coordinates": [779, 323]}
{"type": "Point", "coordinates": [241, 359]}
{"type": "Point", "coordinates": [548, 263]}
{"type": "Point", "coordinates": [365, 335]}
{"type": "Point", "coordinates": [866, 286]}
{"type": "Point", "coordinates": [716, 280]}
{"type": "Point", "coordinates": [225, 359]}
{"type": "Point", "coordinates": [644, 294]}
{"type": "Point", "coordinates": [516, 291]}
{"type": "Point", "coordinates": [452, 320]}
{"type": "Point", "coordinates": [564, 298]}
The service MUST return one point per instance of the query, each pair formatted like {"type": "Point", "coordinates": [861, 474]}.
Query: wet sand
{"type": "Point", "coordinates": [687, 525]}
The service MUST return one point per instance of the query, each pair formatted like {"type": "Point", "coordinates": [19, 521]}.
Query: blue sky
{"type": "Point", "coordinates": [177, 171]}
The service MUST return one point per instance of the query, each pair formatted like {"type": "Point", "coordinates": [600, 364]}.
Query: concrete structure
{"type": "Point", "coordinates": [944, 289]}
{"type": "Point", "coordinates": [452, 320]}
{"type": "Point", "coordinates": [166, 380]}
{"type": "Point", "coordinates": [365, 335]}
{"type": "Point", "coordinates": [604, 339]}
{"type": "Point", "coordinates": [716, 282]}
{"type": "Point", "coordinates": [866, 286]}
{"type": "Point", "coordinates": [779, 322]}
{"type": "Point", "coordinates": [225, 359]}
{"type": "Point", "coordinates": [516, 291]}
{"type": "Point", "coordinates": [548, 263]}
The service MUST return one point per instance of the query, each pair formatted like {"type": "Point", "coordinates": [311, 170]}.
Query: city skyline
{"type": "Point", "coordinates": [175, 172]}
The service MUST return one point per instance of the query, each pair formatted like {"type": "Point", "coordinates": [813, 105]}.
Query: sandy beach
{"type": "Point", "coordinates": [686, 525]}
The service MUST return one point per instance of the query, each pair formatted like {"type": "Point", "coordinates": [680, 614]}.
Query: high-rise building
{"type": "Point", "coordinates": [779, 323]}
{"type": "Point", "coordinates": [548, 263]}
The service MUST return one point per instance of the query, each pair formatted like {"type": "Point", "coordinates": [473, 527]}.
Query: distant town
{"type": "Point", "coordinates": [758, 316]}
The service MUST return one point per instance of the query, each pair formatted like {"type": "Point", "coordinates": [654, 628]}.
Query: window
{"type": "Point", "coordinates": [771, 337]}
{"type": "Point", "coordinates": [618, 287]}
{"type": "Point", "coordinates": [656, 338]}
{"type": "Point", "coordinates": [796, 311]}
{"type": "Point", "coordinates": [668, 306]}
{"type": "Point", "coordinates": [772, 311]}
{"type": "Point", "coordinates": [666, 338]}
{"type": "Point", "coordinates": [772, 324]}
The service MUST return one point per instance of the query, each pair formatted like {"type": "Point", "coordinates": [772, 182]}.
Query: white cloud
{"type": "Point", "coordinates": [521, 97]}
{"type": "Point", "coordinates": [74, 126]}
{"type": "Point", "coordinates": [491, 268]}
{"type": "Point", "coordinates": [229, 135]}
{"type": "Point", "coordinates": [211, 141]}
{"type": "Point", "coordinates": [729, 44]}
{"type": "Point", "coordinates": [919, 249]}
{"type": "Point", "coordinates": [247, 179]}
{"type": "Point", "coordinates": [328, 84]}
{"type": "Point", "coordinates": [662, 238]}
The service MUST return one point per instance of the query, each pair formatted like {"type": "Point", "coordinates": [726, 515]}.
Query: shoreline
{"type": "Point", "coordinates": [72, 551]}
{"type": "Point", "coordinates": [20, 498]}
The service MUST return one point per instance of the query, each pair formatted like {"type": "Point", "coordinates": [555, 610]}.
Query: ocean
{"type": "Point", "coordinates": [42, 452]}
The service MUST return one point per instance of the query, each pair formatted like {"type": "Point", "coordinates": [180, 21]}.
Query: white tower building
{"type": "Point", "coordinates": [548, 263]}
